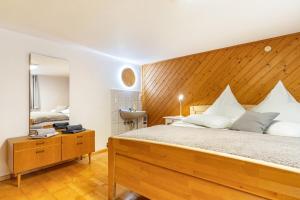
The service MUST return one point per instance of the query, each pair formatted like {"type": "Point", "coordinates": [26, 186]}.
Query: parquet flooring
{"type": "Point", "coordinates": [75, 180]}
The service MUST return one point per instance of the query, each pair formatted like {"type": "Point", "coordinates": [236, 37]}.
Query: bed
{"type": "Point", "coordinates": [47, 118]}
{"type": "Point", "coordinates": [165, 167]}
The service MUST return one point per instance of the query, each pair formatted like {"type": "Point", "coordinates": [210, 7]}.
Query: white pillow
{"type": "Point", "coordinates": [66, 111]}
{"type": "Point", "coordinates": [211, 121]}
{"type": "Point", "coordinates": [59, 108]}
{"type": "Point", "coordinates": [281, 101]}
{"type": "Point", "coordinates": [226, 105]}
{"type": "Point", "coordinates": [284, 129]}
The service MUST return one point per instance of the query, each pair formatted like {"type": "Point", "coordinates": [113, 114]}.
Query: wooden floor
{"type": "Point", "coordinates": [75, 180]}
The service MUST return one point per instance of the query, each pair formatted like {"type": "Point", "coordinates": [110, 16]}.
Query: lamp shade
{"type": "Point", "coordinates": [180, 97]}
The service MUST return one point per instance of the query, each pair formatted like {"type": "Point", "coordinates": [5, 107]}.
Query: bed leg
{"type": "Point", "coordinates": [111, 171]}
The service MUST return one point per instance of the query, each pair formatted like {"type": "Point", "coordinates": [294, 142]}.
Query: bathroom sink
{"type": "Point", "coordinates": [130, 115]}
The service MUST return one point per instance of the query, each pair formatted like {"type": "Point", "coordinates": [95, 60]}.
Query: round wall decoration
{"type": "Point", "coordinates": [128, 77]}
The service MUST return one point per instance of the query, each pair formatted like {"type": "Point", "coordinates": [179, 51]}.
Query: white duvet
{"type": "Point", "coordinates": [270, 148]}
{"type": "Point", "coordinates": [40, 117]}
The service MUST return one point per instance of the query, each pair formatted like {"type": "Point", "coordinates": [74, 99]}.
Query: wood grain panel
{"type": "Point", "coordinates": [158, 183]}
{"type": "Point", "coordinates": [250, 71]}
{"type": "Point", "coordinates": [159, 171]}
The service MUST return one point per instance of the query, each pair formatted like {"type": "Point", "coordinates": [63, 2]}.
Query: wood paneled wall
{"type": "Point", "coordinates": [250, 71]}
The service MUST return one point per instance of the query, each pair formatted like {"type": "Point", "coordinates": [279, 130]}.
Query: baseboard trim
{"type": "Point", "coordinates": [101, 151]}
{"type": "Point", "coordinates": [5, 177]}
{"type": "Point", "coordinates": [97, 152]}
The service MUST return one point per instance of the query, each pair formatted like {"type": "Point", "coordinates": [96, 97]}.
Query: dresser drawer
{"type": "Point", "coordinates": [78, 144]}
{"type": "Point", "coordinates": [36, 143]}
{"type": "Point", "coordinates": [28, 159]}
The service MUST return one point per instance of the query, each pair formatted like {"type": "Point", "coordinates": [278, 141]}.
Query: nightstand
{"type": "Point", "coordinates": [170, 119]}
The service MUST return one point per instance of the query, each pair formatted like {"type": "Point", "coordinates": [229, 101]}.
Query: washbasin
{"type": "Point", "coordinates": [130, 115]}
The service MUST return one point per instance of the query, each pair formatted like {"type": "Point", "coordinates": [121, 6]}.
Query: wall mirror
{"type": "Point", "coordinates": [128, 77]}
{"type": "Point", "coordinates": [49, 91]}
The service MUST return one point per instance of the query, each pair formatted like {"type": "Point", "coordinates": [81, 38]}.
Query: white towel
{"type": "Point", "coordinates": [43, 131]}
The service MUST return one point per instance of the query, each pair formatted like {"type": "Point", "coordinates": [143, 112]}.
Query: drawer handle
{"type": "Point", "coordinates": [78, 143]}
{"type": "Point", "coordinates": [80, 136]}
{"type": "Point", "coordinates": [40, 143]}
{"type": "Point", "coordinates": [41, 151]}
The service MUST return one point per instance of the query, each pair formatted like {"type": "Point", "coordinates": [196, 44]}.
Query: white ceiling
{"type": "Point", "coordinates": [150, 30]}
{"type": "Point", "coordinates": [48, 66]}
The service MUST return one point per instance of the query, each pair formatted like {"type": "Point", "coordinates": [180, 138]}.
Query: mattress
{"type": "Point", "coordinates": [40, 117]}
{"type": "Point", "coordinates": [269, 148]}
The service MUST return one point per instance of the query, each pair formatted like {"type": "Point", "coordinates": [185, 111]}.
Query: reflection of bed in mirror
{"type": "Point", "coordinates": [46, 119]}
{"type": "Point", "coordinates": [49, 91]}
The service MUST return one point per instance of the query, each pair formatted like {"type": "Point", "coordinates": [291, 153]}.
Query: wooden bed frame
{"type": "Point", "coordinates": [172, 172]}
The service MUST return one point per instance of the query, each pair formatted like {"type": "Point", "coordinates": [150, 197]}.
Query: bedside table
{"type": "Point", "coordinates": [170, 119]}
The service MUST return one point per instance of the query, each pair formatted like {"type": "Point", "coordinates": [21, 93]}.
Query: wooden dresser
{"type": "Point", "coordinates": [27, 154]}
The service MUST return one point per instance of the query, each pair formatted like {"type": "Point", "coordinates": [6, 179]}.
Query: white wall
{"type": "Point", "coordinates": [54, 91]}
{"type": "Point", "coordinates": [92, 75]}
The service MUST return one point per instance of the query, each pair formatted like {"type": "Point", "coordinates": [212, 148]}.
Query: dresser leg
{"type": "Point", "coordinates": [90, 158]}
{"type": "Point", "coordinates": [19, 180]}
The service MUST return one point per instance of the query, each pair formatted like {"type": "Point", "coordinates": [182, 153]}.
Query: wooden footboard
{"type": "Point", "coordinates": [162, 172]}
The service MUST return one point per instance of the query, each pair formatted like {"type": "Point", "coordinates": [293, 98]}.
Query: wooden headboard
{"type": "Point", "coordinates": [250, 71]}
{"type": "Point", "coordinates": [200, 109]}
